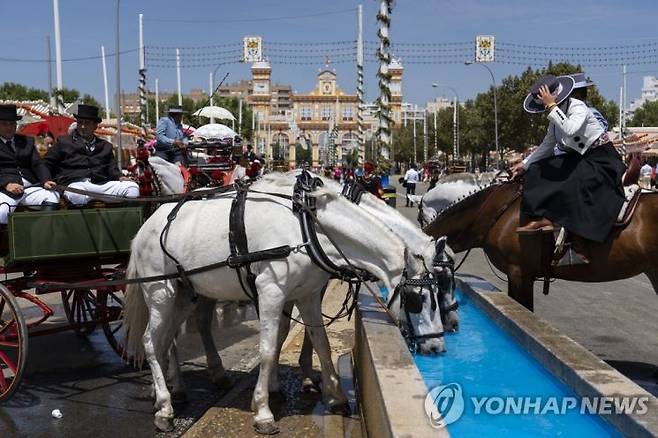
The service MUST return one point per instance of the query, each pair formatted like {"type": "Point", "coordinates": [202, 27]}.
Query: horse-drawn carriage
{"type": "Point", "coordinates": [75, 253]}
{"type": "Point", "coordinates": [81, 254]}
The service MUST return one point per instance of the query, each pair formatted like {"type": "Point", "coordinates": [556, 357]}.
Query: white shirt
{"type": "Point", "coordinates": [578, 129]}
{"type": "Point", "coordinates": [411, 177]}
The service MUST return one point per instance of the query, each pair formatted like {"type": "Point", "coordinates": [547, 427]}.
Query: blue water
{"type": "Point", "coordinates": [486, 361]}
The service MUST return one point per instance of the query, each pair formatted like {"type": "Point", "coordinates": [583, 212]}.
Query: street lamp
{"type": "Point", "coordinates": [493, 80]}
{"type": "Point", "coordinates": [455, 121]}
{"type": "Point", "coordinates": [117, 63]}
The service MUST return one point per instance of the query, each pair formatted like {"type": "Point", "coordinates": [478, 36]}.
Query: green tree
{"type": "Point", "coordinates": [14, 91]}
{"type": "Point", "coordinates": [646, 115]}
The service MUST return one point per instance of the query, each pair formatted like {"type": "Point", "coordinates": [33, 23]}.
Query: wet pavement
{"type": "Point", "coordinates": [297, 414]}
{"type": "Point", "coordinates": [100, 396]}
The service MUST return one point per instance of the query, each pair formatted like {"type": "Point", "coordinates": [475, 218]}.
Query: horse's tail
{"type": "Point", "coordinates": [135, 316]}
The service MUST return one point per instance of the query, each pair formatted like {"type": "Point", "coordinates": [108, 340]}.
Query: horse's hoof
{"type": "Point", "coordinates": [266, 428]}
{"type": "Point", "coordinates": [179, 397]}
{"type": "Point", "coordinates": [341, 409]}
{"type": "Point", "coordinates": [309, 386]}
{"type": "Point", "coordinates": [164, 424]}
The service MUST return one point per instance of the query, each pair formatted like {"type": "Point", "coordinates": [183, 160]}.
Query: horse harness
{"type": "Point", "coordinates": [410, 300]}
{"type": "Point", "coordinates": [241, 259]}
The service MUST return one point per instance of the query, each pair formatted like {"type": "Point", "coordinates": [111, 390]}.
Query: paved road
{"type": "Point", "coordinates": [617, 321]}
{"type": "Point", "coordinates": [100, 396]}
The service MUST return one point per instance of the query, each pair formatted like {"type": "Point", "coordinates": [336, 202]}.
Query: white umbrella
{"type": "Point", "coordinates": [214, 111]}
{"type": "Point", "coordinates": [214, 131]}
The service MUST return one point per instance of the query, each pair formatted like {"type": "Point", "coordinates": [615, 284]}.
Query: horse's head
{"type": "Point", "coordinates": [417, 296]}
{"type": "Point", "coordinates": [443, 265]}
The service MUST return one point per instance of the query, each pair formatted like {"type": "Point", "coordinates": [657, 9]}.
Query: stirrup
{"type": "Point", "coordinates": [571, 258]}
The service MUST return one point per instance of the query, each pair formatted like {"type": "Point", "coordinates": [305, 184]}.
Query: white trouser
{"type": "Point", "coordinates": [35, 195]}
{"type": "Point", "coordinates": [125, 189]}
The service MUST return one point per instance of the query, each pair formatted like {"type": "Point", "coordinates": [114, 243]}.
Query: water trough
{"type": "Point", "coordinates": [502, 350]}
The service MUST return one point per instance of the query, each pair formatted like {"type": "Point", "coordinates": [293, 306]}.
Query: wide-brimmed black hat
{"type": "Point", "coordinates": [560, 87]}
{"type": "Point", "coordinates": [9, 113]}
{"type": "Point", "coordinates": [176, 109]}
{"type": "Point", "coordinates": [87, 112]}
{"type": "Point", "coordinates": [580, 80]}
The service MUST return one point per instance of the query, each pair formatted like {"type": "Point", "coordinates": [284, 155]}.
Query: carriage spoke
{"type": "Point", "coordinates": [4, 358]}
{"type": "Point", "coordinates": [3, 382]}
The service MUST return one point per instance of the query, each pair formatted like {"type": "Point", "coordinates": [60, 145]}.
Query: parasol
{"type": "Point", "coordinates": [214, 131]}
{"type": "Point", "coordinates": [216, 112]}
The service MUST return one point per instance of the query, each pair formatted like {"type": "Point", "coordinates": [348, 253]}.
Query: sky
{"type": "Point", "coordinates": [88, 24]}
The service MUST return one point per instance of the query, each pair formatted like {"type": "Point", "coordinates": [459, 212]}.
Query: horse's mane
{"type": "Point", "coordinates": [469, 199]}
{"type": "Point", "coordinates": [458, 177]}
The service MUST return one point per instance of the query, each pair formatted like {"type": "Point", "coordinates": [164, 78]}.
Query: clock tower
{"type": "Point", "coordinates": [261, 95]}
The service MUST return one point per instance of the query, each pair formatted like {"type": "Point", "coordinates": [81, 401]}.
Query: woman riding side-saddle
{"type": "Point", "coordinates": [573, 178]}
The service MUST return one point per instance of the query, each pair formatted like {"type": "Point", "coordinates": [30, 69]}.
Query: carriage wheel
{"type": "Point", "coordinates": [13, 344]}
{"type": "Point", "coordinates": [80, 308]}
{"type": "Point", "coordinates": [110, 307]}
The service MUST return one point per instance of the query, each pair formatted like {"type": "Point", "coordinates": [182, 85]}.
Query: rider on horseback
{"type": "Point", "coordinates": [573, 178]}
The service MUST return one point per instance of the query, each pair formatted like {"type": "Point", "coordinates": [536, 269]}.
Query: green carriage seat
{"type": "Point", "coordinates": [35, 236]}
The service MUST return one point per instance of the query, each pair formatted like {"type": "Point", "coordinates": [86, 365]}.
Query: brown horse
{"type": "Point", "coordinates": [488, 219]}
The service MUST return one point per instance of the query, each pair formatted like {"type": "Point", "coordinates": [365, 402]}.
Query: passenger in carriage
{"type": "Point", "coordinates": [24, 178]}
{"type": "Point", "coordinates": [83, 161]}
{"type": "Point", "coordinates": [170, 144]}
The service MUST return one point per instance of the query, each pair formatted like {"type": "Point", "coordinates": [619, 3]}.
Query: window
{"type": "Point", "coordinates": [305, 113]}
{"type": "Point", "coordinates": [347, 113]}
{"type": "Point", "coordinates": [327, 112]}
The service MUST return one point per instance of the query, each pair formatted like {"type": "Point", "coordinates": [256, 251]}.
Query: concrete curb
{"type": "Point", "coordinates": [391, 392]}
{"type": "Point", "coordinates": [567, 360]}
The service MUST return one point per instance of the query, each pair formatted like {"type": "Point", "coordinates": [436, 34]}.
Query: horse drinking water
{"type": "Point", "coordinates": [154, 310]}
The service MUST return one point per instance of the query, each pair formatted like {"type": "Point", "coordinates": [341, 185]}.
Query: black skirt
{"type": "Point", "coordinates": [582, 193]}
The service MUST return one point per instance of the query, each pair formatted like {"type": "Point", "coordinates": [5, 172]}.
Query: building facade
{"type": "Point", "coordinates": [649, 93]}
{"type": "Point", "coordinates": [324, 119]}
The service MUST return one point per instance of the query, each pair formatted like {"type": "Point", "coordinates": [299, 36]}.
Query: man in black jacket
{"type": "Point", "coordinates": [83, 161]}
{"type": "Point", "coordinates": [23, 176]}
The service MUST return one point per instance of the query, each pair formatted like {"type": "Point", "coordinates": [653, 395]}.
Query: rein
{"type": "Point", "coordinates": [196, 194]}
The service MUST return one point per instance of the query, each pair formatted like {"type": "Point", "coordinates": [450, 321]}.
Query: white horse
{"type": "Point", "coordinates": [416, 242]}
{"type": "Point", "coordinates": [154, 310]}
{"type": "Point", "coordinates": [434, 254]}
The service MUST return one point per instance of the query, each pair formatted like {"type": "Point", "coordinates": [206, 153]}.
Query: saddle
{"type": "Point", "coordinates": [547, 250]}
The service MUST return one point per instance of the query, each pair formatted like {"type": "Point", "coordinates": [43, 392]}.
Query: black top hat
{"type": "Point", "coordinates": [87, 112]}
{"type": "Point", "coordinates": [560, 87]}
{"type": "Point", "coordinates": [9, 113]}
{"type": "Point", "coordinates": [176, 109]}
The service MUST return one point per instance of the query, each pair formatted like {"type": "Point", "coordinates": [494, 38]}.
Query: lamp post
{"type": "Point", "coordinates": [117, 60]}
{"type": "Point", "coordinates": [493, 81]}
{"type": "Point", "coordinates": [455, 121]}
{"type": "Point", "coordinates": [211, 88]}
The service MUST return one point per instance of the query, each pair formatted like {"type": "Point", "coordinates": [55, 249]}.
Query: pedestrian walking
{"type": "Point", "coordinates": [410, 181]}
